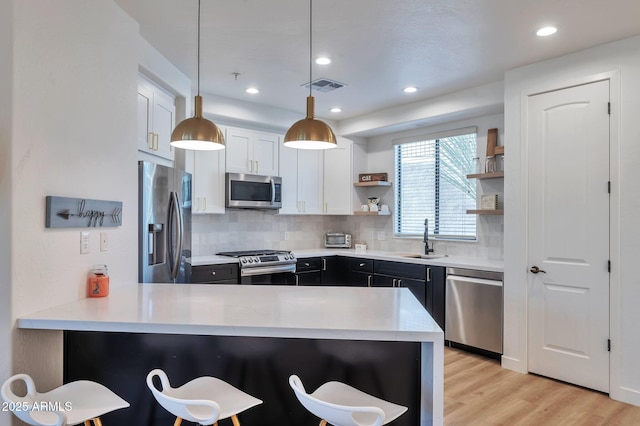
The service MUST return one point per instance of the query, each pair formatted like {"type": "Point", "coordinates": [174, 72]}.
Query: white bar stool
{"type": "Point", "coordinates": [77, 402]}
{"type": "Point", "coordinates": [342, 405]}
{"type": "Point", "coordinates": [203, 400]}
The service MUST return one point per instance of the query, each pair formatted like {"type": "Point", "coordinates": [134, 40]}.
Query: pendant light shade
{"type": "Point", "coordinates": [310, 133]}
{"type": "Point", "coordinates": [197, 133]}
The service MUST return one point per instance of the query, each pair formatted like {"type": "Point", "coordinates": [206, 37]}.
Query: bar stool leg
{"type": "Point", "coordinates": [97, 421]}
{"type": "Point", "coordinates": [87, 423]}
{"type": "Point", "coordinates": [235, 420]}
{"type": "Point", "coordinates": [178, 421]}
{"type": "Point", "coordinates": [323, 423]}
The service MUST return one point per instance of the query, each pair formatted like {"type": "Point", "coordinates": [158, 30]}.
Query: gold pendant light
{"type": "Point", "coordinates": [310, 133]}
{"type": "Point", "coordinates": [197, 133]}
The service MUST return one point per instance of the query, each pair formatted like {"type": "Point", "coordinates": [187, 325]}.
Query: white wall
{"type": "Point", "coordinates": [490, 228]}
{"type": "Point", "coordinates": [73, 134]}
{"type": "Point", "coordinates": [622, 60]}
{"type": "Point", "coordinates": [6, 75]}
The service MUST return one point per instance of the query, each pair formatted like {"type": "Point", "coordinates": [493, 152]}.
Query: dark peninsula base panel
{"type": "Point", "coordinates": [258, 366]}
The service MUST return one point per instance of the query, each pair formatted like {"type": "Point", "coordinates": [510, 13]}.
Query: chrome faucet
{"type": "Point", "coordinates": [425, 240]}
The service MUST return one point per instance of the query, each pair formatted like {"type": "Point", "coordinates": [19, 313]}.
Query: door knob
{"type": "Point", "coordinates": [535, 270]}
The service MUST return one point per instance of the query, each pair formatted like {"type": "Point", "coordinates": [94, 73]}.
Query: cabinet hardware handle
{"type": "Point", "coordinates": [361, 265]}
{"type": "Point", "coordinates": [324, 264]}
{"type": "Point", "coordinates": [150, 140]}
{"type": "Point", "coordinates": [306, 264]}
{"type": "Point", "coordinates": [251, 165]}
{"type": "Point", "coordinates": [535, 270]}
{"type": "Point", "coordinates": [399, 283]}
{"type": "Point", "coordinates": [213, 272]}
{"type": "Point", "coordinates": [394, 282]}
{"type": "Point", "coordinates": [297, 280]}
{"type": "Point", "coordinates": [257, 167]}
{"type": "Point", "coordinates": [369, 280]}
{"type": "Point", "coordinates": [326, 207]}
{"type": "Point", "coordinates": [428, 274]}
{"type": "Point", "coordinates": [204, 202]}
{"type": "Point", "coordinates": [155, 141]}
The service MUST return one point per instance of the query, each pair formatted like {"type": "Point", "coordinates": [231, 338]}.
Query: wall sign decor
{"type": "Point", "coordinates": [489, 202]}
{"type": "Point", "coordinates": [372, 177]}
{"type": "Point", "coordinates": [63, 212]}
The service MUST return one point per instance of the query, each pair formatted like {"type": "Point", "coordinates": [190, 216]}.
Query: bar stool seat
{"type": "Point", "coordinates": [203, 400]}
{"type": "Point", "coordinates": [339, 404]}
{"type": "Point", "coordinates": [77, 402]}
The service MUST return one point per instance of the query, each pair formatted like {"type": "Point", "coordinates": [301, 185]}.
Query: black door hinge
{"type": "Point", "coordinates": [608, 345]}
{"type": "Point", "coordinates": [609, 187]}
{"type": "Point", "coordinates": [608, 266]}
{"type": "Point", "coordinates": [609, 108]}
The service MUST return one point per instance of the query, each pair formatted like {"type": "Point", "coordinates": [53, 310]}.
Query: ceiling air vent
{"type": "Point", "coordinates": [324, 85]}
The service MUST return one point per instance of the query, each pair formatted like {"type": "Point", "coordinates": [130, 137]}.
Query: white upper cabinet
{"type": "Point", "coordinates": [289, 175]}
{"type": "Point", "coordinates": [251, 152]}
{"type": "Point", "coordinates": [338, 178]}
{"type": "Point", "coordinates": [310, 173]}
{"type": "Point", "coordinates": [208, 182]}
{"type": "Point", "coordinates": [156, 119]}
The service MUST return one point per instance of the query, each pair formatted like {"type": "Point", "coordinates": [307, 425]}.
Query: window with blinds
{"type": "Point", "coordinates": [432, 184]}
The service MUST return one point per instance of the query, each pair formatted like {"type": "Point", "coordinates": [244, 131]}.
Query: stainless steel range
{"type": "Point", "coordinates": [265, 266]}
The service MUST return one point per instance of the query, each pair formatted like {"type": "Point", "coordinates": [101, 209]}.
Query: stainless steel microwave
{"type": "Point", "coordinates": [244, 191]}
{"type": "Point", "coordinates": [337, 240]}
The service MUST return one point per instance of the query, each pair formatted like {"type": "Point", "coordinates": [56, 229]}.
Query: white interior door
{"type": "Point", "coordinates": [568, 235]}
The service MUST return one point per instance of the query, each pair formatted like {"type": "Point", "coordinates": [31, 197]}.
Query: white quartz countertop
{"type": "Point", "coordinates": [448, 261]}
{"type": "Point", "coordinates": [386, 314]}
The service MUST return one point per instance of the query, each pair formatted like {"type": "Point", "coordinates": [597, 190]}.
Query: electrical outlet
{"type": "Point", "coordinates": [371, 235]}
{"type": "Point", "coordinates": [286, 236]}
{"type": "Point", "coordinates": [84, 242]}
{"type": "Point", "coordinates": [381, 235]}
{"type": "Point", "coordinates": [104, 241]}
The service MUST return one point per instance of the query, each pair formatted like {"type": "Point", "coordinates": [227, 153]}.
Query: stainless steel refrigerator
{"type": "Point", "coordinates": [164, 224]}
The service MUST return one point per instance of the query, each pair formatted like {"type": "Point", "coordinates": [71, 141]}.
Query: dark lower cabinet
{"type": "Point", "coordinates": [334, 270]}
{"type": "Point", "coordinates": [226, 273]}
{"type": "Point", "coordinates": [360, 272]}
{"type": "Point", "coordinates": [260, 366]}
{"type": "Point", "coordinates": [398, 274]}
{"type": "Point", "coordinates": [308, 271]}
{"type": "Point", "coordinates": [435, 293]}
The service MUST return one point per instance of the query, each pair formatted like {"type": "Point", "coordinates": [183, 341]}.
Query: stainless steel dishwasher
{"type": "Point", "coordinates": [473, 314]}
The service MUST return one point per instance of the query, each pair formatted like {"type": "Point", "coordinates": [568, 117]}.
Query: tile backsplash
{"type": "Point", "coordinates": [253, 229]}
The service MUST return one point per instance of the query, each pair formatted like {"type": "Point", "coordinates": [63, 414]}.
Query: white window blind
{"type": "Point", "coordinates": [432, 184]}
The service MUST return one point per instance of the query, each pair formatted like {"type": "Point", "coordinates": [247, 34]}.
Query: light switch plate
{"type": "Point", "coordinates": [84, 242]}
{"type": "Point", "coordinates": [104, 241]}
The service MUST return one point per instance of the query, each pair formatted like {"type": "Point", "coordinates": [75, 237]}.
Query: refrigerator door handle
{"type": "Point", "coordinates": [175, 227]}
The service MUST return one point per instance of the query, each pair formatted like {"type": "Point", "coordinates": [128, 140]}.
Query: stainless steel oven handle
{"type": "Point", "coordinates": [263, 270]}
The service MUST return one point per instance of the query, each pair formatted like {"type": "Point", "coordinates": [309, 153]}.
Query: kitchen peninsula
{"type": "Point", "coordinates": [378, 339]}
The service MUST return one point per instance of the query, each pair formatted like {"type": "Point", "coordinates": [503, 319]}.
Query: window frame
{"type": "Point", "coordinates": [437, 176]}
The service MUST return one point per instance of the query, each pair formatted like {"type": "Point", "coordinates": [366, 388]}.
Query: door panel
{"type": "Point", "coordinates": [568, 234]}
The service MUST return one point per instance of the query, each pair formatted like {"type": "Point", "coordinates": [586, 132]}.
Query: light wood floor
{"type": "Point", "coordinates": [478, 392]}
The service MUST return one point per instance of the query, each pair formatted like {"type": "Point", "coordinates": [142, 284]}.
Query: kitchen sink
{"type": "Point", "coordinates": [423, 256]}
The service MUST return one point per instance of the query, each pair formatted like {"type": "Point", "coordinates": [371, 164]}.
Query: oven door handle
{"type": "Point", "coordinates": [263, 270]}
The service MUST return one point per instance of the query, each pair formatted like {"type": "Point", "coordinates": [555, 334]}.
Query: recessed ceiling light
{"type": "Point", "coordinates": [546, 31]}
{"type": "Point", "coordinates": [323, 60]}
{"type": "Point", "coordinates": [336, 109]}
{"type": "Point", "coordinates": [410, 89]}
{"type": "Point", "coordinates": [252, 90]}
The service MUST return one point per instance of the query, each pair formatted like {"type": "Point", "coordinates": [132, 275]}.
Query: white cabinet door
{"type": "Point", "coordinates": [338, 177]}
{"type": "Point", "coordinates": [238, 150]}
{"type": "Point", "coordinates": [310, 181]}
{"type": "Point", "coordinates": [265, 154]}
{"type": "Point", "coordinates": [252, 152]}
{"type": "Point", "coordinates": [289, 174]}
{"type": "Point", "coordinates": [208, 182]}
{"type": "Point", "coordinates": [156, 120]}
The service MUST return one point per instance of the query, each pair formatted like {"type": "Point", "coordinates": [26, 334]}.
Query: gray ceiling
{"type": "Point", "coordinates": [377, 46]}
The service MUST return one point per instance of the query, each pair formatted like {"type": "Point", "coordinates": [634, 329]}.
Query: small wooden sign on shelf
{"type": "Point", "coordinates": [372, 177]}
{"type": "Point", "coordinates": [489, 202]}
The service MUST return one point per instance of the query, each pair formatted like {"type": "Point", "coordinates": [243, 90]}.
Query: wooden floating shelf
{"type": "Point", "coordinates": [373, 183]}
{"type": "Point", "coordinates": [493, 175]}
{"type": "Point", "coordinates": [486, 211]}
{"type": "Point", "coordinates": [361, 213]}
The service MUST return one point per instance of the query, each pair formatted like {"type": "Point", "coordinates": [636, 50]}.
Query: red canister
{"type": "Point", "coordinates": [98, 281]}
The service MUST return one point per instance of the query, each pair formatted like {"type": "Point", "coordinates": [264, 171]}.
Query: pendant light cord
{"type": "Point", "coordinates": [310, 42]}
{"type": "Point", "coordinates": [199, 47]}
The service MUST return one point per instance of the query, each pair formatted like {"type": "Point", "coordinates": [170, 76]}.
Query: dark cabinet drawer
{"type": "Point", "coordinates": [362, 265]}
{"type": "Point", "coordinates": [360, 279]}
{"type": "Point", "coordinates": [226, 273]}
{"type": "Point", "coordinates": [308, 264]}
{"type": "Point", "coordinates": [398, 269]}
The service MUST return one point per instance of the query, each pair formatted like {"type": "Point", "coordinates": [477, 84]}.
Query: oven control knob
{"type": "Point", "coordinates": [243, 260]}
{"type": "Point", "coordinates": [255, 259]}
